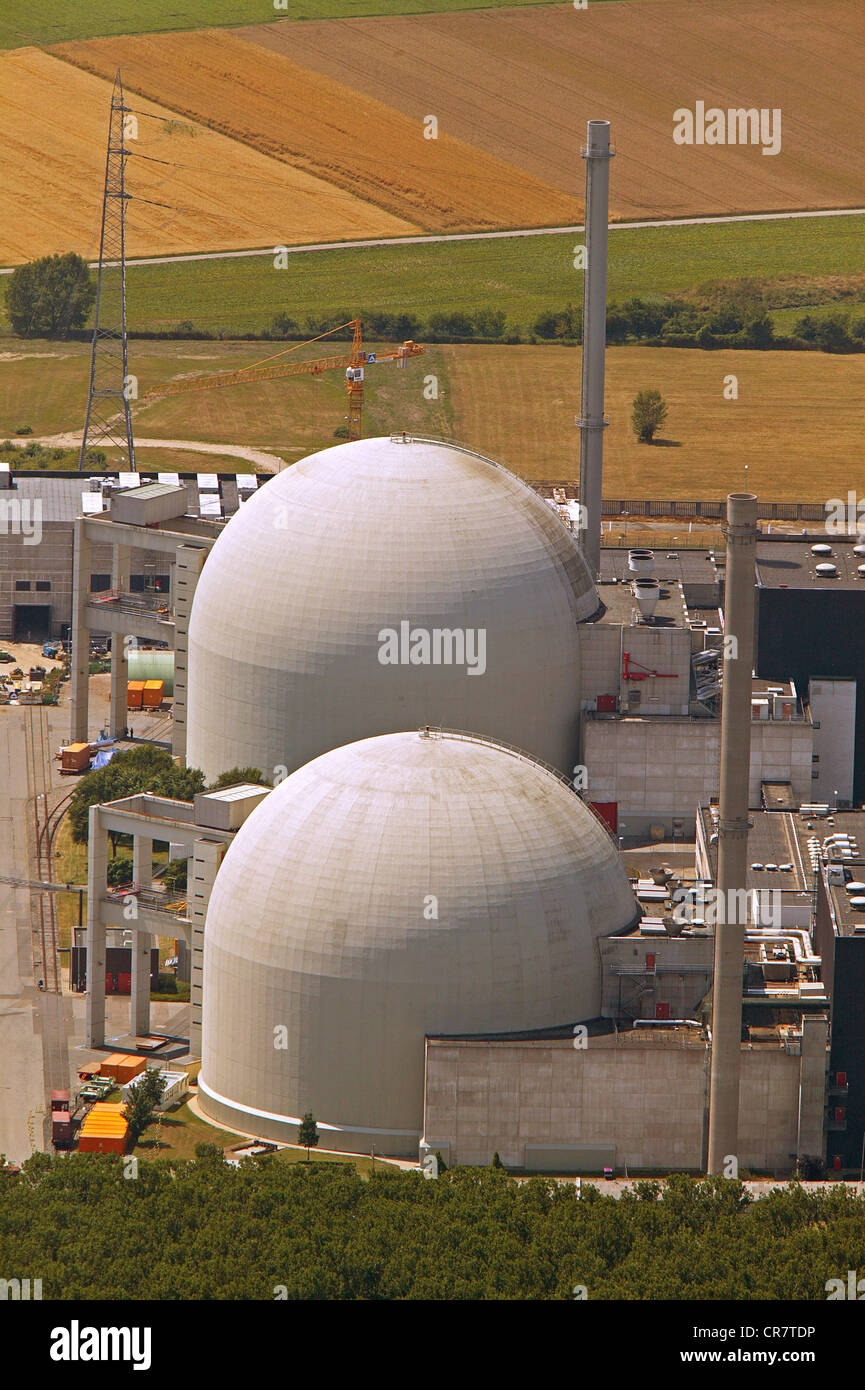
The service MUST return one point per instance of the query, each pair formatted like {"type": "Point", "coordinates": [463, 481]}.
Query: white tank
{"type": "Point", "coordinates": [402, 886]}
{"type": "Point", "coordinates": [303, 633]}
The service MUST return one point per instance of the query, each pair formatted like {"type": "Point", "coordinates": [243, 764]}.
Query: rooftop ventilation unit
{"type": "Point", "coordinates": [826, 571]}
{"type": "Point", "coordinates": [821, 549]}
{"type": "Point", "coordinates": [641, 561]}
{"type": "Point", "coordinates": [646, 592]}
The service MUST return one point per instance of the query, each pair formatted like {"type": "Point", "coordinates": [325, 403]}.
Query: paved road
{"type": "Point", "coordinates": [260, 457]}
{"type": "Point", "coordinates": [481, 236]}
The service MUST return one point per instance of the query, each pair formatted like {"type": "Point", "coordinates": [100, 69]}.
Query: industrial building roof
{"type": "Point", "coordinates": [793, 564]}
{"type": "Point", "coordinates": [65, 496]}
{"type": "Point", "coordinates": [808, 828]}
{"type": "Point", "coordinates": [772, 844]}
{"type": "Point", "coordinates": [621, 604]}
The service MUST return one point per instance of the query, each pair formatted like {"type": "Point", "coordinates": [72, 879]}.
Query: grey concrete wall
{"type": "Point", "coordinates": [647, 1101]}
{"type": "Point", "coordinates": [658, 770]}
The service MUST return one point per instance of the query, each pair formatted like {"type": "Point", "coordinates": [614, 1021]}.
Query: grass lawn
{"type": "Point", "coordinates": [44, 385]}
{"type": "Point", "coordinates": [517, 404]}
{"type": "Point", "coordinates": [71, 867]}
{"type": "Point", "coordinates": [181, 1130]}
{"type": "Point", "coordinates": [522, 275]}
{"type": "Point", "coordinates": [81, 19]}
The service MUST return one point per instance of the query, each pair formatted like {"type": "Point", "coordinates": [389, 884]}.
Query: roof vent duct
{"type": "Point", "coordinates": [641, 561]}
{"type": "Point", "coordinates": [646, 592]}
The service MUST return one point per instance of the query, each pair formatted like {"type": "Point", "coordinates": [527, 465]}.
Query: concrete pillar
{"type": "Point", "coordinates": [142, 861]}
{"type": "Point", "coordinates": [204, 865]}
{"type": "Point", "coordinates": [187, 568]}
{"type": "Point", "coordinates": [139, 1010]}
{"type": "Point", "coordinates": [97, 882]}
{"type": "Point", "coordinates": [139, 1004]}
{"type": "Point", "coordinates": [597, 155]}
{"type": "Point", "coordinates": [739, 601]}
{"type": "Point", "coordinates": [812, 1086]}
{"type": "Point", "coordinates": [82, 559]}
{"type": "Point", "coordinates": [121, 560]}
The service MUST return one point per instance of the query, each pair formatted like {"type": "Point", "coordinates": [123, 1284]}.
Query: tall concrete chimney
{"type": "Point", "coordinates": [732, 828]}
{"type": "Point", "coordinates": [597, 154]}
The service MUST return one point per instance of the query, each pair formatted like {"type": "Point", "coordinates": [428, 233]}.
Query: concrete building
{"type": "Point", "coordinates": [308, 625]}
{"type": "Point", "coordinates": [811, 620]}
{"type": "Point", "coordinates": [135, 523]}
{"type": "Point", "coordinates": [633, 1101]}
{"type": "Point", "coordinates": [404, 885]}
{"type": "Point", "coordinates": [199, 831]}
{"type": "Point", "coordinates": [37, 522]}
{"type": "Point", "coordinates": [832, 705]}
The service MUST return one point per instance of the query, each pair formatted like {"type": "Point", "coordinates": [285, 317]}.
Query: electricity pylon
{"type": "Point", "coordinates": [108, 420]}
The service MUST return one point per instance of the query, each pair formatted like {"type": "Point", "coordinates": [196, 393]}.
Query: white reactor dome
{"type": "Point", "coordinates": [410, 884]}
{"type": "Point", "coordinates": [383, 585]}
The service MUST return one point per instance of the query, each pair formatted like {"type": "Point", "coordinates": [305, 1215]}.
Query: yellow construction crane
{"type": "Point", "coordinates": [354, 362]}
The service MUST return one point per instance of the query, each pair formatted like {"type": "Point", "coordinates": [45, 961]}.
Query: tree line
{"type": "Point", "coordinates": [53, 296]}
{"type": "Point", "coordinates": [201, 1229]}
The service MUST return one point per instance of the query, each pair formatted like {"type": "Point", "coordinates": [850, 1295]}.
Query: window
{"type": "Point", "coordinates": [43, 586]}
{"type": "Point", "coordinates": [99, 582]}
{"type": "Point", "coordinates": [22, 586]}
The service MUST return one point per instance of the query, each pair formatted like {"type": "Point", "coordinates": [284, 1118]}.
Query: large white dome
{"type": "Point", "coordinates": [285, 636]}
{"type": "Point", "coordinates": [405, 885]}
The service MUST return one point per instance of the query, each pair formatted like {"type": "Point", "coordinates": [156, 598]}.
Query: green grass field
{"type": "Point", "coordinates": [44, 385]}
{"type": "Point", "coordinates": [85, 19]}
{"type": "Point", "coordinates": [516, 404]}
{"type": "Point", "coordinates": [522, 275]}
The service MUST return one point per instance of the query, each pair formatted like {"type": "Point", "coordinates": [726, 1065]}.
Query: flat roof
{"type": "Point", "coordinates": [622, 607]}
{"type": "Point", "coordinates": [63, 494]}
{"type": "Point", "coordinates": [685, 566]}
{"type": "Point", "coordinates": [847, 918]}
{"type": "Point", "coordinates": [772, 839]}
{"type": "Point", "coordinates": [792, 565]}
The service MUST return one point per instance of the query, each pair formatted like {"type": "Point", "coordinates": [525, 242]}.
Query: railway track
{"type": "Point", "coordinates": [47, 815]}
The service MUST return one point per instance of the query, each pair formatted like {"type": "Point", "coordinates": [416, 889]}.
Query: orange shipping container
{"type": "Point", "coordinates": [153, 694]}
{"type": "Point", "coordinates": [105, 1130]}
{"type": "Point", "coordinates": [75, 757]}
{"type": "Point", "coordinates": [134, 694]}
{"type": "Point", "coordinates": [123, 1068]}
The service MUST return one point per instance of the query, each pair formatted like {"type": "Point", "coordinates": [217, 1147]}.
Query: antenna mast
{"type": "Point", "coordinates": [108, 419]}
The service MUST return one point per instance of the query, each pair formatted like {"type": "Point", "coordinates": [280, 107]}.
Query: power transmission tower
{"type": "Point", "coordinates": [108, 420]}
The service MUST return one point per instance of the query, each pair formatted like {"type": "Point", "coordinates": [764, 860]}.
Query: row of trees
{"type": "Point", "coordinates": [53, 296]}
{"type": "Point", "coordinates": [201, 1229]}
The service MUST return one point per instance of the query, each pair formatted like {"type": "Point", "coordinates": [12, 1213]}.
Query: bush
{"type": "Point", "coordinates": [174, 875]}
{"type": "Point", "coordinates": [120, 871]}
{"type": "Point", "coordinates": [831, 334]}
{"type": "Point", "coordinates": [648, 414]}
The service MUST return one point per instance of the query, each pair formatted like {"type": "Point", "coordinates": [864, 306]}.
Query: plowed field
{"type": "Point", "coordinates": [521, 84]}
{"type": "Point", "coordinates": [317, 124]}
{"type": "Point", "coordinates": [214, 192]}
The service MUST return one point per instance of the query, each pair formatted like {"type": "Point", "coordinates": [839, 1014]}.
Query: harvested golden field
{"type": "Point", "coordinates": [315, 123]}
{"type": "Point", "coordinates": [53, 129]}
{"type": "Point", "coordinates": [518, 404]}
{"type": "Point", "coordinates": [521, 83]}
